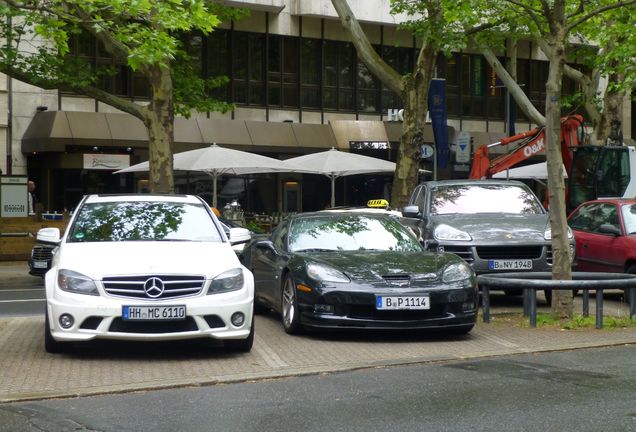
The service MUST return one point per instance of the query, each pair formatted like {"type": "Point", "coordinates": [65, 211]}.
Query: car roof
{"type": "Point", "coordinates": [464, 182]}
{"type": "Point", "coordinates": [143, 197]}
{"type": "Point", "coordinates": [612, 200]}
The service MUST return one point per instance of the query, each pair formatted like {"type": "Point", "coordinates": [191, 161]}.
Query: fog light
{"type": "Point", "coordinates": [440, 249]}
{"type": "Point", "coordinates": [323, 308]}
{"type": "Point", "coordinates": [237, 319]}
{"type": "Point", "coordinates": [468, 306]}
{"type": "Point", "coordinates": [66, 321]}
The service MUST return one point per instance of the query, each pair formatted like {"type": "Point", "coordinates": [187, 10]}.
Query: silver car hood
{"type": "Point", "coordinates": [497, 227]}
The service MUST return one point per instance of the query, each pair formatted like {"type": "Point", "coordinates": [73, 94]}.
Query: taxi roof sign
{"type": "Point", "coordinates": [378, 203]}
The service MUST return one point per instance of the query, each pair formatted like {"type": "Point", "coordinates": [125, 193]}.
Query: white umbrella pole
{"type": "Point", "coordinates": [333, 191]}
{"type": "Point", "coordinates": [214, 176]}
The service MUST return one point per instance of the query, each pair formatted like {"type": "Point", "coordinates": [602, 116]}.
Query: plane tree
{"type": "Point", "coordinates": [145, 36]}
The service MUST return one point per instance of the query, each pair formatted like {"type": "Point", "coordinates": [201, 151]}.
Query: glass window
{"type": "Point", "coordinates": [338, 75]}
{"type": "Point", "coordinates": [629, 218]}
{"type": "Point", "coordinates": [143, 221]}
{"type": "Point", "coordinates": [483, 198]}
{"type": "Point", "coordinates": [590, 217]}
{"type": "Point", "coordinates": [613, 173]}
{"type": "Point", "coordinates": [350, 233]}
{"type": "Point", "coordinates": [310, 76]}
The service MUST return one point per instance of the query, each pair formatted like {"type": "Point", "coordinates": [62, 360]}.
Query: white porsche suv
{"type": "Point", "coordinates": [146, 267]}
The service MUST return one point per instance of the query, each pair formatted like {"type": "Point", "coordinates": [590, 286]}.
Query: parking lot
{"type": "Point", "coordinates": [28, 372]}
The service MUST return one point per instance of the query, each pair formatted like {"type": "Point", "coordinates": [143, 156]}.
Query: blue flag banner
{"type": "Point", "coordinates": [437, 110]}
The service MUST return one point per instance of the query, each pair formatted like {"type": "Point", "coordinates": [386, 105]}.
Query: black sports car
{"type": "Point", "coordinates": [358, 270]}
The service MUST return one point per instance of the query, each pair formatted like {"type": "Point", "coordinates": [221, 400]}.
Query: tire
{"type": "Point", "coordinates": [241, 345]}
{"type": "Point", "coordinates": [290, 315]}
{"type": "Point", "coordinates": [631, 270]}
{"type": "Point", "coordinates": [51, 345]}
{"type": "Point", "coordinates": [548, 296]}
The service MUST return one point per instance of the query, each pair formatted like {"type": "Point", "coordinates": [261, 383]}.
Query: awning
{"type": "Point", "coordinates": [55, 131]}
{"type": "Point", "coordinates": [394, 132]}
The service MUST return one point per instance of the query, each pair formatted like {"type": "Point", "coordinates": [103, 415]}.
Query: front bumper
{"type": "Point", "coordinates": [449, 308]}
{"type": "Point", "coordinates": [100, 317]}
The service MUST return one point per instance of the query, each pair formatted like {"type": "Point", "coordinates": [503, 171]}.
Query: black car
{"type": "Point", "coordinates": [358, 270]}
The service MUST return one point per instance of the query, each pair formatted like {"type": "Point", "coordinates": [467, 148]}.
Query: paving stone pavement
{"type": "Point", "coordinates": [27, 372]}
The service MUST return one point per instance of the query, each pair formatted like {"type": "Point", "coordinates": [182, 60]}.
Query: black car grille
{"type": "Point", "coordinates": [173, 286]}
{"type": "Point", "coordinates": [548, 255]}
{"type": "Point", "coordinates": [370, 312]}
{"type": "Point", "coordinates": [509, 252]}
{"type": "Point", "coordinates": [42, 253]}
{"type": "Point", "coordinates": [119, 325]}
{"type": "Point", "coordinates": [464, 252]}
{"type": "Point", "coordinates": [398, 280]}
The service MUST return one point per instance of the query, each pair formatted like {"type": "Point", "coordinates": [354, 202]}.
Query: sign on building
{"type": "Point", "coordinates": [463, 150]}
{"type": "Point", "coordinates": [13, 196]}
{"type": "Point", "coordinates": [111, 162]}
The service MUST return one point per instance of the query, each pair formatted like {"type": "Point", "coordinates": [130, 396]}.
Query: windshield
{"type": "Point", "coordinates": [629, 217]}
{"type": "Point", "coordinates": [484, 198]}
{"type": "Point", "coordinates": [349, 233]}
{"type": "Point", "coordinates": [143, 221]}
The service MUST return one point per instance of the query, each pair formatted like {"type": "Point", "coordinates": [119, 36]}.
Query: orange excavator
{"type": "Point", "coordinates": [528, 144]}
{"type": "Point", "coordinates": [594, 171]}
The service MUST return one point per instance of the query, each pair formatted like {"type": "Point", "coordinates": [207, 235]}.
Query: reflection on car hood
{"type": "Point", "coordinates": [498, 227]}
{"type": "Point", "coordinates": [371, 265]}
{"type": "Point", "coordinates": [120, 258]}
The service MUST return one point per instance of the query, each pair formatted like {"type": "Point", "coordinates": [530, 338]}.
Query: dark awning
{"type": "Point", "coordinates": [54, 131]}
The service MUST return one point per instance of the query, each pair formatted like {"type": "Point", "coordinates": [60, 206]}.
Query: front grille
{"type": "Point", "coordinates": [464, 252]}
{"type": "Point", "coordinates": [397, 280]}
{"type": "Point", "coordinates": [91, 323]}
{"type": "Point", "coordinates": [509, 252]}
{"type": "Point", "coordinates": [173, 286]}
{"type": "Point", "coordinates": [42, 253]}
{"type": "Point", "coordinates": [548, 255]}
{"type": "Point", "coordinates": [119, 325]}
{"type": "Point", "coordinates": [214, 321]}
{"type": "Point", "coordinates": [370, 312]}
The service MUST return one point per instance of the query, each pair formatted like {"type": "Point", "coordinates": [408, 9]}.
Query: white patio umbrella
{"type": "Point", "coordinates": [333, 164]}
{"type": "Point", "coordinates": [216, 161]}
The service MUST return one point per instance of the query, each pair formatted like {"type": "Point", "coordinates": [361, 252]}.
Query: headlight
{"type": "Point", "coordinates": [326, 274]}
{"type": "Point", "coordinates": [231, 280]}
{"type": "Point", "coordinates": [447, 232]}
{"type": "Point", "coordinates": [548, 233]}
{"type": "Point", "coordinates": [71, 281]}
{"type": "Point", "coordinates": [457, 272]}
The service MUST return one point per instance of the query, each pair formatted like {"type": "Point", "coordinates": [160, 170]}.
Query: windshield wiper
{"type": "Point", "coordinates": [315, 250]}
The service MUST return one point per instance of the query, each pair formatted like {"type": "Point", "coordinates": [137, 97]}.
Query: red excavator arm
{"type": "Point", "coordinates": [528, 144]}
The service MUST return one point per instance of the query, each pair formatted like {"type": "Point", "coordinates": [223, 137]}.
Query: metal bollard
{"type": "Point", "coordinates": [586, 302]}
{"type": "Point", "coordinates": [485, 299]}
{"type": "Point", "coordinates": [599, 308]}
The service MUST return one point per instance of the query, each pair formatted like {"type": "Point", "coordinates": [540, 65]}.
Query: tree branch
{"type": "Point", "coordinates": [533, 14]}
{"type": "Point", "coordinates": [598, 11]}
{"type": "Point", "coordinates": [368, 55]}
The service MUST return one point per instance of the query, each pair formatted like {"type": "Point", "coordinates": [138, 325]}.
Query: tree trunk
{"type": "Point", "coordinates": [160, 124]}
{"type": "Point", "coordinates": [561, 266]}
{"type": "Point", "coordinates": [612, 113]}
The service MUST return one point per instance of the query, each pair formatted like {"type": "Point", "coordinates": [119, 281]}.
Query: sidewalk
{"type": "Point", "coordinates": [28, 372]}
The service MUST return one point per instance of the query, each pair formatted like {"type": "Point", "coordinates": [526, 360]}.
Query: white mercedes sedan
{"type": "Point", "coordinates": [146, 267]}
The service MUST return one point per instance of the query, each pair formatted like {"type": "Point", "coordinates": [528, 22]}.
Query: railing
{"type": "Point", "coordinates": [17, 235]}
{"type": "Point", "coordinates": [530, 282]}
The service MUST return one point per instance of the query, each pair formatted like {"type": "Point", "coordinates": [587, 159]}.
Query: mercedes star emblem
{"type": "Point", "coordinates": [153, 287]}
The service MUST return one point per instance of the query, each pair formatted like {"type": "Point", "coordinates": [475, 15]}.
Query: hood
{"type": "Point", "coordinates": [372, 265]}
{"type": "Point", "coordinates": [123, 258]}
{"type": "Point", "coordinates": [498, 227]}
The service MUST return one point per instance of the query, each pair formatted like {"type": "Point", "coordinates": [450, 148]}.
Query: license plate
{"type": "Point", "coordinates": [402, 302]}
{"type": "Point", "coordinates": [153, 313]}
{"type": "Point", "coordinates": [40, 264]}
{"type": "Point", "coordinates": [521, 264]}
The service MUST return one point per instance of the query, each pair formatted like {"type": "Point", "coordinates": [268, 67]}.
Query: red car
{"type": "Point", "coordinates": [605, 232]}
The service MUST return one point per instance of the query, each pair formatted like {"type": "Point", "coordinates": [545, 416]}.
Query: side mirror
{"type": "Point", "coordinates": [411, 212]}
{"type": "Point", "coordinates": [265, 244]}
{"type": "Point", "coordinates": [49, 235]}
{"type": "Point", "coordinates": [239, 235]}
{"type": "Point", "coordinates": [609, 229]}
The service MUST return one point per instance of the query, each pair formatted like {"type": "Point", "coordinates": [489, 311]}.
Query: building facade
{"type": "Point", "coordinates": [298, 87]}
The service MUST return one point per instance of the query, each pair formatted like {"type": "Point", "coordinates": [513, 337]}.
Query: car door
{"type": "Point", "coordinates": [597, 251]}
{"type": "Point", "coordinates": [268, 264]}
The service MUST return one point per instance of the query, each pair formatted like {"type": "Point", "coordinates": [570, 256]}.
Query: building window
{"type": "Point", "coordinates": [282, 71]}
{"type": "Point", "coordinates": [247, 68]}
{"type": "Point", "coordinates": [310, 73]}
{"type": "Point", "coordinates": [218, 62]}
{"type": "Point", "coordinates": [338, 75]}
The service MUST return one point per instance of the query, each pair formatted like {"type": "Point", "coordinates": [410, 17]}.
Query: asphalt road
{"type": "Point", "coordinates": [583, 390]}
